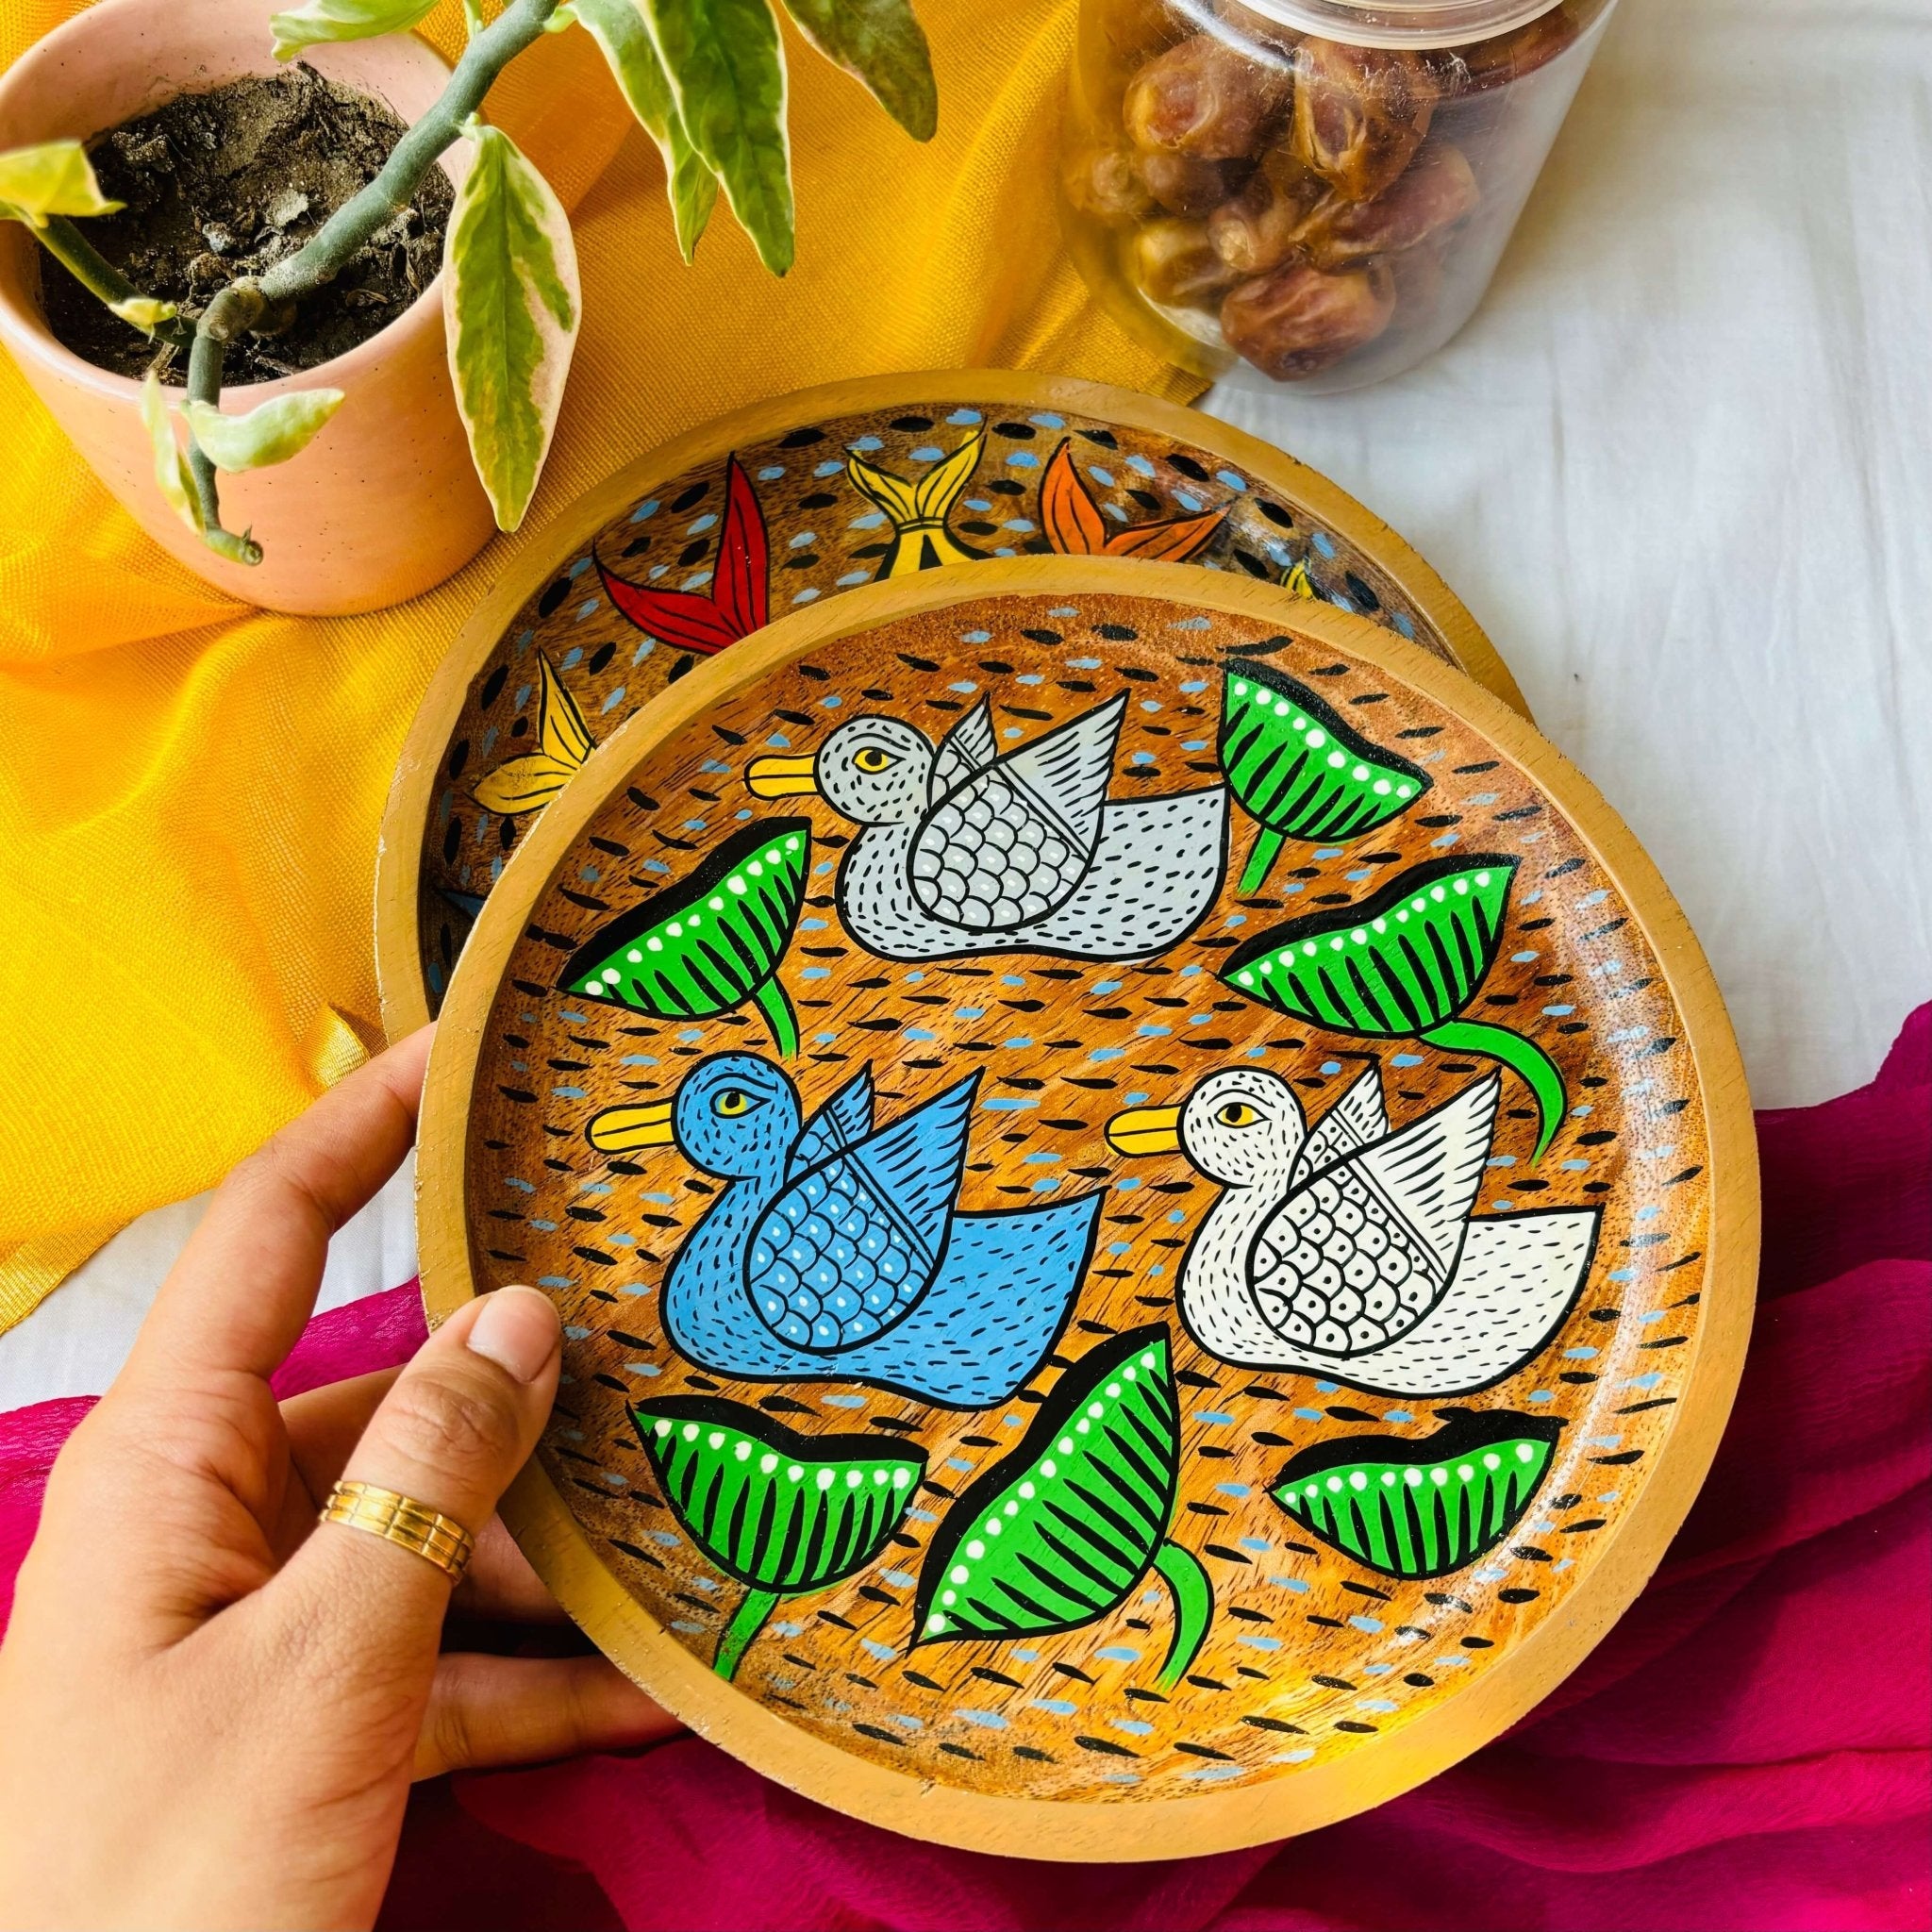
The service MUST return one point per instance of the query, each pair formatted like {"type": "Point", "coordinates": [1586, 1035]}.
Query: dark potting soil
{"type": "Point", "coordinates": [225, 184]}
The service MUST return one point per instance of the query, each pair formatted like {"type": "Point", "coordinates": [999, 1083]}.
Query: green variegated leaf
{"type": "Point", "coordinates": [270, 433]}
{"type": "Point", "coordinates": [56, 178]}
{"type": "Point", "coordinates": [176, 480]}
{"type": "Point", "coordinates": [144, 313]}
{"type": "Point", "coordinates": [727, 68]}
{"type": "Point", "coordinates": [881, 44]}
{"type": "Point", "coordinates": [172, 474]}
{"type": "Point", "coordinates": [619, 28]}
{"type": "Point", "coordinates": [693, 189]}
{"type": "Point", "coordinates": [342, 20]}
{"type": "Point", "coordinates": [512, 304]}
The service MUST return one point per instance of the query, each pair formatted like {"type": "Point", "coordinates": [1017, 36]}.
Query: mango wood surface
{"type": "Point", "coordinates": [1149, 478]}
{"type": "Point", "coordinates": [1334, 1670]}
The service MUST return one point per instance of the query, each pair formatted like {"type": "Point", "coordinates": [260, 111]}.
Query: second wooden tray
{"type": "Point", "coordinates": [766, 511]}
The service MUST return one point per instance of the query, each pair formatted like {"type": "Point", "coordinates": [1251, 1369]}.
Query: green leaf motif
{"type": "Point", "coordinates": [727, 68]}
{"type": "Point", "coordinates": [618, 27]}
{"type": "Point", "coordinates": [782, 1513]}
{"type": "Point", "coordinates": [1401, 962]}
{"type": "Point", "coordinates": [772, 1507]}
{"type": "Point", "coordinates": [270, 433]}
{"type": "Point", "coordinates": [54, 178]}
{"type": "Point", "coordinates": [1405, 961]}
{"type": "Point", "coordinates": [342, 20]}
{"type": "Point", "coordinates": [1414, 1509]}
{"type": "Point", "coordinates": [882, 45]}
{"type": "Point", "coordinates": [1301, 771]}
{"type": "Point", "coordinates": [510, 301]}
{"type": "Point", "coordinates": [1059, 1533]}
{"type": "Point", "coordinates": [711, 942]}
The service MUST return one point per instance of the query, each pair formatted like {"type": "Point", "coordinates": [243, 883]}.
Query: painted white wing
{"type": "Point", "coordinates": [1361, 1252]}
{"type": "Point", "coordinates": [1429, 1172]}
{"type": "Point", "coordinates": [1515, 1283]}
{"type": "Point", "coordinates": [1357, 1120]}
{"type": "Point", "coordinates": [967, 748]}
{"type": "Point", "coordinates": [1012, 844]}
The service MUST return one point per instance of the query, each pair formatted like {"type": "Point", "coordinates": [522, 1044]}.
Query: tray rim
{"type": "Point", "coordinates": [398, 958]}
{"type": "Point", "coordinates": [1215, 1820]}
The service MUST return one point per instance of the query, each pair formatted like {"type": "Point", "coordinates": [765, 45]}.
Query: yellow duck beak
{"type": "Point", "coordinates": [780, 777]}
{"type": "Point", "coordinates": [625, 1130]}
{"type": "Point", "coordinates": [1145, 1130]}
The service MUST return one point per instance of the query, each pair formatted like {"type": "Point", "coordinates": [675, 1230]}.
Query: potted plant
{"type": "Point", "coordinates": [415, 440]}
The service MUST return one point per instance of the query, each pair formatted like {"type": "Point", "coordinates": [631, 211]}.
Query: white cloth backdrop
{"type": "Point", "coordinates": [1680, 467]}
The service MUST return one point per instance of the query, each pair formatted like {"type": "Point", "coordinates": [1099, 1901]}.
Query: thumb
{"type": "Point", "coordinates": [456, 1424]}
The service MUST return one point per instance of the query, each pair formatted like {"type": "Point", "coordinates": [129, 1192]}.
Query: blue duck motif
{"type": "Point", "coordinates": [838, 1252]}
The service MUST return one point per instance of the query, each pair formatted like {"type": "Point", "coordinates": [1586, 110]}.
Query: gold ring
{"type": "Point", "coordinates": [400, 1519]}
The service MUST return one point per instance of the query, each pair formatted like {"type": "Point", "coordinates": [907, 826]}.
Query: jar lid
{"type": "Point", "coordinates": [1403, 22]}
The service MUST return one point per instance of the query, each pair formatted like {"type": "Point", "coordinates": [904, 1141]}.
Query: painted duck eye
{"type": "Point", "coordinates": [731, 1102]}
{"type": "Point", "coordinates": [871, 760]}
{"type": "Point", "coordinates": [1236, 1113]}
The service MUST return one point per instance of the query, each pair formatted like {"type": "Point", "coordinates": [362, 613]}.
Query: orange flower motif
{"type": "Point", "coordinates": [1076, 528]}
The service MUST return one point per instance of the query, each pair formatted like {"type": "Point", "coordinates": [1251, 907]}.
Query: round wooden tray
{"type": "Point", "coordinates": [1270, 1248]}
{"type": "Point", "coordinates": [802, 498]}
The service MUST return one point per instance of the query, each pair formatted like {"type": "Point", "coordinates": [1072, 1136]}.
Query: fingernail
{"type": "Point", "coordinates": [517, 1330]}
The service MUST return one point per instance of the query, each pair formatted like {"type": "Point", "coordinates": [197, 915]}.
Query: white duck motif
{"type": "Point", "coordinates": [1348, 1251]}
{"type": "Point", "coordinates": [964, 850]}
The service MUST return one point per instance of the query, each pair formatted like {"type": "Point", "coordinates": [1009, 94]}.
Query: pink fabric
{"type": "Point", "coordinates": [1748, 1749]}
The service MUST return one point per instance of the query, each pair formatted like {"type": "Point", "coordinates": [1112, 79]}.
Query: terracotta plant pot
{"type": "Point", "coordinates": [384, 504]}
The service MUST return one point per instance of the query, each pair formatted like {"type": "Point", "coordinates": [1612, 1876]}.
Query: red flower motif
{"type": "Point", "coordinates": [732, 605]}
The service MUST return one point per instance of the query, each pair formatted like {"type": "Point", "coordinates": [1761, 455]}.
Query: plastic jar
{"type": "Point", "coordinates": [1309, 192]}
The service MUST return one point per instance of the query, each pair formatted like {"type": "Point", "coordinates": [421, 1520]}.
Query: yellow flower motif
{"type": "Point", "coordinates": [918, 511]}
{"type": "Point", "coordinates": [531, 782]}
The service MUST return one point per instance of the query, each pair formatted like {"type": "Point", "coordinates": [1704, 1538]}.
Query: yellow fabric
{"type": "Point", "coordinates": [189, 790]}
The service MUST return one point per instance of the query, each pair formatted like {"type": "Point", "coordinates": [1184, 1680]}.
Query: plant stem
{"type": "Point", "coordinates": [746, 1621]}
{"type": "Point", "coordinates": [205, 356]}
{"type": "Point", "coordinates": [100, 278]}
{"type": "Point", "coordinates": [1194, 1608]}
{"type": "Point", "coordinates": [1261, 861]}
{"type": "Point", "coordinates": [779, 1017]}
{"type": "Point", "coordinates": [325, 252]}
{"type": "Point", "coordinates": [1522, 1055]}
